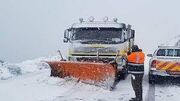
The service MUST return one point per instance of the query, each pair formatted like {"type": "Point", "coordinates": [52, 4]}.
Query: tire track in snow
{"type": "Point", "coordinates": [150, 95]}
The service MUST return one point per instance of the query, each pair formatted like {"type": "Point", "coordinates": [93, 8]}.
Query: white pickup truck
{"type": "Point", "coordinates": [164, 62]}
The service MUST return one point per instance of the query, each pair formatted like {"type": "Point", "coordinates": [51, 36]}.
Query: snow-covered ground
{"type": "Point", "coordinates": [30, 81]}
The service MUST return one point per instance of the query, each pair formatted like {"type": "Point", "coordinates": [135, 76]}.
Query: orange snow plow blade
{"type": "Point", "coordinates": [101, 74]}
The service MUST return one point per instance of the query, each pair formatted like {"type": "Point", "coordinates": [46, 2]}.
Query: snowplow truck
{"type": "Point", "coordinates": [97, 52]}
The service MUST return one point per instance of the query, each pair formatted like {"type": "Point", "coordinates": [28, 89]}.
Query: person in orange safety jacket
{"type": "Point", "coordinates": [136, 69]}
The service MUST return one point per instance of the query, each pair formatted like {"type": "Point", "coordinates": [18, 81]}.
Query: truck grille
{"type": "Point", "coordinates": [94, 50]}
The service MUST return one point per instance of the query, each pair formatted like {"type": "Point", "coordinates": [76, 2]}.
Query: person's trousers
{"type": "Point", "coordinates": [136, 80]}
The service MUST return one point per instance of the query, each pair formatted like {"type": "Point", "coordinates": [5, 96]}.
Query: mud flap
{"type": "Point", "coordinates": [99, 74]}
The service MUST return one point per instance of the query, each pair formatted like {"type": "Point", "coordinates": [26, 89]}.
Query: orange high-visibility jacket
{"type": "Point", "coordinates": [136, 57]}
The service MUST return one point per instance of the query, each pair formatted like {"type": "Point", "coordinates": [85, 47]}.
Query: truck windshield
{"type": "Point", "coordinates": [97, 35]}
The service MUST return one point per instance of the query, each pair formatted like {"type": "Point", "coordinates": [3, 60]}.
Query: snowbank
{"type": "Point", "coordinates": [9, 70]}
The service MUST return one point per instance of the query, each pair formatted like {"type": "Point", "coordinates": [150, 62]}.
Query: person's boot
{"type": "Point", "coordinates": [138, 99]}
{"type": "Point", "coordinates": [132, 99]}
{"type": "Point", "coordinates": [135, 99]}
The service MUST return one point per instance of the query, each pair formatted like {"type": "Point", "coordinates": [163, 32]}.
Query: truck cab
{"type": "Point", "coordinates": [99, 40]}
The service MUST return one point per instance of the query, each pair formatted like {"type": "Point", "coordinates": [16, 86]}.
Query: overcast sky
{"type": "Point", "coordinates": [33, 28]}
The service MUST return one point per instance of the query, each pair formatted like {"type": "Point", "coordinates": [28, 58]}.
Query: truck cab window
{"type": "Point", "coordinates": [161, 52]}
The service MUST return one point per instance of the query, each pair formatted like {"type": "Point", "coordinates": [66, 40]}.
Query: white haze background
{"type": "Point", "coordinates": [34, 28]}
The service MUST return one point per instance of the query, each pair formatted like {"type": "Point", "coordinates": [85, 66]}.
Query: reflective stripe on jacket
{"type": "Point", "coordinates": [136, 62]}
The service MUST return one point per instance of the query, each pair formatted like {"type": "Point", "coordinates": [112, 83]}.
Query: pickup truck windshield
{"type": "Point", "coordinates": [177, 52]}
{"type": "Point", "coordinates": [97, 35]}
{"type": "Point", "coordinates": [168, 52]}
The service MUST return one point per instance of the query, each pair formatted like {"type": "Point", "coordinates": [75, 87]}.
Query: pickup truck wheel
{"type": "Point", "coordinates": [151, 79]}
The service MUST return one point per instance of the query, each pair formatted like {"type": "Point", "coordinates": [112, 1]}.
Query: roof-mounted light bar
{"type": "Point", "coordinates": [81, 20]}
{"type": "Point", "coordinates": [115, 19]}
{"type": "Point", "coordinates": [105, 19]}
{"type": "Point", "coordinates": [91, 19]}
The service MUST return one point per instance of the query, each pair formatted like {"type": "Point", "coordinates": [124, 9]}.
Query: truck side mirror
{"type": "Point", "coordinates": [123, 26]}
{"type": "Point", "coordinates": [149, 55]}
{"type": "Point", "coordinates": [129, 26]}
{"type": "Point", "coordinates": [132, 33]}
{"type": "Point", "coordinates": [66, 36]}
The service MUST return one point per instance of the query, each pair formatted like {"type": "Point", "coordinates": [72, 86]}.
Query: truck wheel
{"type": "Point", "coordinates": [151, 79]}
{"type": "Point", "coordinates": [123, 74]}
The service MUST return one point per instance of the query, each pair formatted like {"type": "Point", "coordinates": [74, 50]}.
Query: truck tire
{"type": "Point", "coordinates": [123, 74]}
{"type": "Point", "coordinates": [151, 79]}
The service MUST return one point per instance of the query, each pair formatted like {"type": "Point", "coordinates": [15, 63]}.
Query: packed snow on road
{"type": "Point", "coordinates": [30, 81]}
